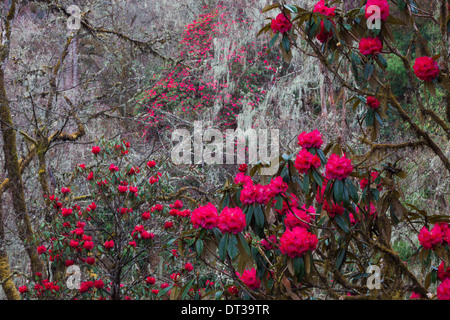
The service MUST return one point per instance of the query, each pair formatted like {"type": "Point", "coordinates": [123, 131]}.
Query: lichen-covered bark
{"type": "Point", "coordinates": [16, 185]}
{"type": "Point", "coordinates": [6, 278]}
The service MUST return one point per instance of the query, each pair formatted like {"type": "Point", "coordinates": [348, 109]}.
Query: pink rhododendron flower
{"type": "Point", "coordinates": [296, 242]}
{"type": "Point", "coordinates": [205, 217]}
{"type": "Point", "coordinates": [250, 278]}
{"type": "Point", "coordinates": [429, 239]}
{"type": "Point", "coordinates": [370, 46]}
{"type": "Point", "coordinates": [311, 139]}
{"type": "Point", "coordinates": [443, 290]}
{"type": "Point", "coordinates": [382, 4]}
{"type": "Point", "coordinates": [425, 68]}
{"type": "Point", "coordinates": [305, 161]}
{"type": "Point", "coordinates": [338, 167]}
{"type": "Point", "coordinates": [281, 24]}
{"type": "Point", "coordinates": [232, 220]}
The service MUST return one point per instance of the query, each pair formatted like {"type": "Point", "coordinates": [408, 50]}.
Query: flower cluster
{"type": "Point", "coordinates": [232, 220]}
{"type": "Point", "coordinates": [382, 4]}
{"type": "Point", "coordinates": [298, 241]}
{"type": "Point", "coordinates": [281, 24]}
{"type": "Point", "coordinates": [205, 217]}
{"type": "Point", "coordinates": [431, 238]}
{"type": "Point", "coordinates": [311, 139]}
{"type": "Point", "coordinates": [370, 46]}
{"type": "Point", "coordinates": [305, 161]}
{"type": "Point", "coordinates": [299, 217]}
{"type": "Point", "coordinates": [250, 278]}
{"type": "Point", "coordinates": [443, 290]}
{"type": "Point", "coordinates": [426, 68]}
{"type": "Point", "coordinates": [320, 7]}
{"type": "Point", "coordinates": [338, 167]}
{"type": "Point", "coordinates": [262, 194]}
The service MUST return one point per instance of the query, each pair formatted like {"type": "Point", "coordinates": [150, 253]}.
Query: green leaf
{"type": "Point", "coordinates": [244, 244]}
{"type": "Point", "coordinates": [338, 191]}
{"type": "Point", "coordinates": [249, 215]}
{"type": "Point", "coordinates": [340, 258]}
{"type": "Point", "coordinates": [223, 245]}
{"type": "Point", "coordinates": [186, 289]}
{"type": "Point", "coordinates": [369, 118]}
{"type": "Point", "coordinates": [368, 70]}
{"type": "Point", "coordinates": [232, 246]}
{"type": "Point", "coordinates": [199, 246]}
{"type": "Point", "coordinates": [345, 196]}
{"type": "Point", "coordinates": [286, 44]}
{"type": "Point", "coordinates": [259, 218]}
{"type": "Point", "coordinates": [352, 190]}
{"type": "Point", "coordinates": [274, 39]}
{"type": "Point", "coordinates": [305, 184]}
{"type": "Point", "coordinates": [299, 267]}
{"type": "Point", "coordinates": [279, 202]}
{"type": "Point", "coordinates": [342, 223]}
{"type": "Point", "coordinates": [291, 8]}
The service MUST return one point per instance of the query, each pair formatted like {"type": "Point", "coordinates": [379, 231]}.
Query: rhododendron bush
{"type": "Point", "coordinates": [313, 230]}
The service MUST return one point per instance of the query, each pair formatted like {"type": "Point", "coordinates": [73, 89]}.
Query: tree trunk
{"type": "Point", "coordinates": [6, 278]}
{"type": "Point", "coordinates": [16, 185]}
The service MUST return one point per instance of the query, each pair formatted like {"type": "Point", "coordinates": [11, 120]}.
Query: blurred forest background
{"type": "Point", "coordinates": [138, 69]}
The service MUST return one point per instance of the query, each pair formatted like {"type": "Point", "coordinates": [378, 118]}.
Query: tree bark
{"type": "Point", "coordinates": [6, 278]}
{"type": "Point", "coordinates": [16, 185]}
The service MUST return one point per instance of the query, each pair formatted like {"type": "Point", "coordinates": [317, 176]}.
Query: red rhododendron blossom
{"type": "Point", "coordinates": [415, 296]}
{"type": "Point", "coordinates": [109, 244]}
{"type": "Point", "coordinates": [205, 217]}
{"type": "Point", "coordinates": [429, 239]}
{"type": "Point", "coordinates": [65, 190]}
{"type": "Point", "coordinates": [90, 260]}
{"type": "Point", "coordinates": [95, 149]}
{"type": "Point", "coordinates": [296, 242]}
{"type": "Point", "coordinates": [281, 24]}
{"type": "Point", "coordinates": [443, 274]}
{"type": "Point", "coordinates": [146, 215]}
{"type": "Point", "coordinates": [23, 289]}
{"type": "Point", "coordinates": [151, 164]}
{"type": "Point", "coordinates": [150, 280]}
{"type": "Point", "coordinates": [122, 189]}
{"type": "Point", "coordinates": [232, 220]}
{"type": "Point", "coordinates": [153, 179]}
{"type": "Point", "coordinates": [299, 217]}
{"type": "Point", "coordinates": [242, 178]}
{"type": "Point", "coordinates": [323, 36]}
{"type": "Point", "coordinates": [99, 284]}
{"type": "Point", "coordinates": [426, 68]}
{"type": "Point", "coordinates": [370, 46]}
{"type": "Point", "coordinates": [66, 212]}
{"type": "Point", "coordinates": [338, 168]}
{"type": "Point", "coordinates": [243, 167]}
{"type": "Point", "coordinates": [250, 278]}
{"type": "Point", "coordinates": [188, 267]}
{"type": "Point", "coordinates": [382, 4]}
{"type": "Point", "coordinates": [305, 161]}
{"type": "Point", "coordinates": [233, 290]}
{"type": "Point", "coordinates": [311, 139]}
{"type": "Point", "coordinates": [168, 224]}
{"type": "Point", "coordinates": [321, 8]}
{"type": "Point", "coordinates": [74, 243]}
{"type": "Point", "coordinates": [90, 176]}
{"type": "Point", "coordinates": [353, 221]}
{"type": "Point", "coordinates": [177, 204]}
{"type": "Point", "coordinates": [443, 291]}
{"type": "Point", "coordinates": [88, 245]}
{"type": "Point", "coordinates": [69, 263]}
{"type": "Point", "coordinates": [41, 249]}
{"type": "Point", "coordinates": [132, 243]}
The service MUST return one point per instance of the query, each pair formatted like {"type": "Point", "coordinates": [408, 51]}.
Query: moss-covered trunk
{"type": "Point", "coordinates": [16, 185]}
{"type": "Point", "coordinates": [6, 278]}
